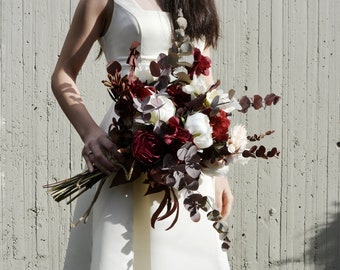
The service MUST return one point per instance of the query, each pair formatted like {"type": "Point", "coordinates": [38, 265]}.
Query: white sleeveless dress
{"type": "Point", "coordinates": [118, 235]}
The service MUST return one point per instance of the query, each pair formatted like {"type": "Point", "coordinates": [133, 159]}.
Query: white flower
{"type": "Point", "coordinates": [165, 112]}
{"type": "Point", "coordinates": [237, 144]}
{"type": "Point", "coordinates": [196, 87]}
{"type": "Point", "coordinates": [226, 104]}
{"type": "Point", "coordinates": [199, 126]}
{"type": "Point", "coordinates": [232, 105]}
{"type": "Point", "coordinates": [143, 73]}
{"type": "Point", "coordinates": [203, 141]}
{"type": "Point", "coordinates": [238, 139]}
{"type": "Point", "coordinates": [223, 97]}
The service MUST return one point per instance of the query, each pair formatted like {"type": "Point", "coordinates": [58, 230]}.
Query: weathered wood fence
{"type": "Point", "coordinates": [287, 211]}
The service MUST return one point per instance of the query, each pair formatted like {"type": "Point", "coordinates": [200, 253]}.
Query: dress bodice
{"type": "Point", "coordinates": [130, 22]}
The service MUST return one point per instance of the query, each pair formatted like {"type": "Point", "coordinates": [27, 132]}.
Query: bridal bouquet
{"type": "Point", "coordinates": [170, 128]}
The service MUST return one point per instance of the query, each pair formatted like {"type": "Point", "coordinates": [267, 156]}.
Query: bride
{"type": "Point", "coordinates": [118, 235]}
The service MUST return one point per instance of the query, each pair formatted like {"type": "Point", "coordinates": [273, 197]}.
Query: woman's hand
{"type": "Point", "coordinates": [96, 146]}
{"type": "Point", "coordinates": [223, 196]}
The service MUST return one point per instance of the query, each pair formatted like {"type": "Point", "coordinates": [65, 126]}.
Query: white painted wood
{"type": "Point", "coordinates": [286, 212]}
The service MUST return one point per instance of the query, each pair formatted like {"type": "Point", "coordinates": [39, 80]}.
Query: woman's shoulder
{"type": "Point", "coordinates": [97, 7]}
{"type": "Point", "coordinates": [97, 10]}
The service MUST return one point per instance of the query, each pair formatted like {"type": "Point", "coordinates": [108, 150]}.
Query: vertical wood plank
{"type": "Point", "coordinates": [333, 222]}
{"type": "Point", "coordinates": [249, 176]}
{"type": "Point", "coordinates": [12, 87]}
{"type": "Point", "coordinates": [59, 149]}
{"type": "Point", "coordinates": [264, 87]}
{"type": "Point", "coordinates": [336, 131]}
{"type": "Point", "coordinates": [311, 128]}
{"type": "Point", "coordinates": [322, 135]}
{"type": "Point", "coordinates": [2, 149]}
{"type": "Point", "coordinates": [284, 155]}
{"type": "Point", "coordinates": [28, 157]}
{"type": "Point", "coordinates": [275, 166]}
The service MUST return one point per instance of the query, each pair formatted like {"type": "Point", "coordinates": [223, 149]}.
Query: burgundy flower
{"type": "Point", "coordinates": [176, 135]}
{"type": "Point", "coordinates": [220, 124]}
{"type": "Point", "coordinates": [124, 107]}
{"type": "Point", "coordinates": [147, 147]}
{"type": "Point", "coordinates": [139, 90]}
{"type": "Point", "coordinates": [201, 64]}
{"type": "Point", "coordinates": [179, 97]}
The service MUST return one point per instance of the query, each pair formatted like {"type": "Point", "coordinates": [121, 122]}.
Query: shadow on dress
{"type": "Point", "coordinates": [79, 249]}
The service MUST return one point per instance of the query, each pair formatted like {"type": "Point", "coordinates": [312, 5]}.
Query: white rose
{"type": "Point", "coordinates": [196, 87]}
{"type": "Point", "coordinates": [143, 73]}
{"type": "Point", "coordinates": [199, 126]}
{"type": "Point", "coordinates": [165, 112]}
{"type": "Point", "coordinates": [203, 141]}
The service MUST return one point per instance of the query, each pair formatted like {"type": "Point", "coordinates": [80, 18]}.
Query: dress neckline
{"type": "Point", "coordinates": [149, 10]}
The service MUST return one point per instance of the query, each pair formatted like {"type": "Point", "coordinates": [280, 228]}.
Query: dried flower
{"type": "Point", "coordinates": [238, 139]}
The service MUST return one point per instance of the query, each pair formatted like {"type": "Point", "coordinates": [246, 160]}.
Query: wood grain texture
{"type": "Point", "coordinates": [287, 211]}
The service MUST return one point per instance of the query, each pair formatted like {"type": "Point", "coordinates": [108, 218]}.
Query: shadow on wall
{"type": "Point", "coordinates": [324, 248]}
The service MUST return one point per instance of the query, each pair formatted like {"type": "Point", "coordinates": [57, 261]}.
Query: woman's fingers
{"type": "Point", "coordinates": [223, 196]}
{"type": "Point", "coordinates": [227, 202]}
{"type": "Point", "coordinates": [87, 154]}
{"type": "Point", "coordinates": [96, 151]}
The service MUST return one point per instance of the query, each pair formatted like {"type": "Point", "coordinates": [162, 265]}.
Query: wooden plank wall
{"type": "Point", "coordinates": [286, 213]}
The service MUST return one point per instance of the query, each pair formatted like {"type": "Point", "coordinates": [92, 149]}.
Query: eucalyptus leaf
{"type": "Point", "coordinates": [186, 48]}
{"type": "Point", "coordinates": [170, 180]}
{"type": "Point", "coordinates": [185, 60]}
{"type": "Point", "coordinates": [191, 183]}
{"type": "Point", "coordinates": [178, 176]}
{"type": "Point", "coordinates": [193, 170]}
{"type": "Point", "coordinates": [192, 152]}
{"type": "Point", "coordinates": [155, 69]}
{"type": "Point", "coordinates": [168, 161]}
{"type": "Point", "coordinates": [214, 215]}
{"type": "Point", "coordinates": [179, 168]}
{"type": "Point", "coordinates": [231, 93]}
{"type": "Point", "coordinates": [215, 101]}
{"type": "Point", "coordinates": [204, 205]}
{"type": "Point", "coordinates": [181, 153]}
{"type": "Point", "coordinates": [195, 216]}
{"type": "Point", "coordinates": [183, 77]}
{"type": "Point", "coordinates": [172, 59]}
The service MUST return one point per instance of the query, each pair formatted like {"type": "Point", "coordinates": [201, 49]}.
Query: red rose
{"type": "Point", "coordinates": [220, 124]}
{"type": "Point", "coordinates": [201, 64]}
{"type": "Point", "coordinates": [147, 147]}
{"type": "Point", "coordinates": [179, 97]}
{"type": "Point", "coordinates": [176, 135]}
{"type": "Point", "coordinates": [139, 90]}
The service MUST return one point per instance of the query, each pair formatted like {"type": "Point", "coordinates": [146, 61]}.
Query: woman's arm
{"type": "Point", "coordinates": [223, 196]}
{"type": "Point", "coordinates": [89, 23]}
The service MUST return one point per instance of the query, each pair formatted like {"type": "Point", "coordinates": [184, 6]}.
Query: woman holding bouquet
{"type": "Point", "coordinates": [118, 235]}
